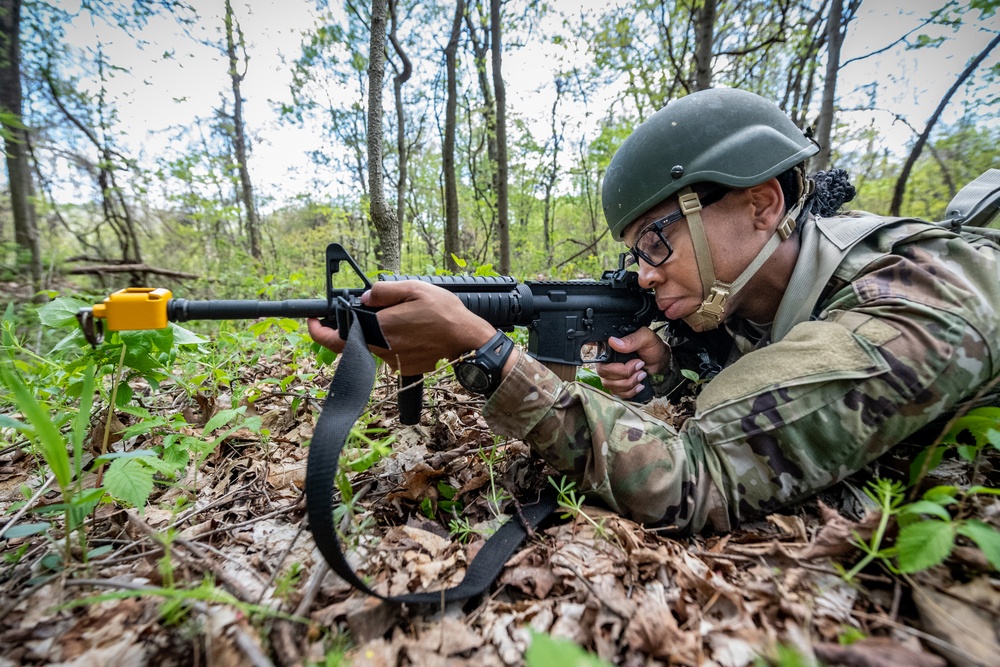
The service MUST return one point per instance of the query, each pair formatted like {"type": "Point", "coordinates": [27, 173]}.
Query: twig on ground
{"type": "Point", "coordinates": [240, 637]}
{"type": "Point", "coordinates": [27, 506]}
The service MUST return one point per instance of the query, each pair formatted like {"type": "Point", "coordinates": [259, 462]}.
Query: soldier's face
{"type": "Point", "coordinates": [676, 282]}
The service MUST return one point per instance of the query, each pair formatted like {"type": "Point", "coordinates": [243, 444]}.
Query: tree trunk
{"type": "Point", "coordinates": [704, 38]}
{"type": "Point", "coordinates": [383, 217]}
{"type": "Point", "coordinates": [451, 249]}
{"type": "Point", "coordinates": [824, 124]}
{"type": "Point", "coordinates": [900, 190]}
{"type": "Point", "coordinates": [480, 49]}
{"type": "Point", "coordinates": [16, 139]}
{"type": "Point", "coordinates": [503, 216]}
{"type": "Point", "coordinates": [239, 134]}
{"type": "Point", "coordinates": [397, 88]}
{"type": "Point", "coordinates": [548, 212]}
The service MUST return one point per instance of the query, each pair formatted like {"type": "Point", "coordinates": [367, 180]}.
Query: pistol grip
{"type": "Point", "coordinates": [411, 398]}
{"type": "Point", "coordinates": [646, 395]}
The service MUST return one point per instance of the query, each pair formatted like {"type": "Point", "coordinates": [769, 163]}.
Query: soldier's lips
{"type": "Point", "coordinates": [672, 309]}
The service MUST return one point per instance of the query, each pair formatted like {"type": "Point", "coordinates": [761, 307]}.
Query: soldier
{"type": "Point", "coordinates": [850, 331]}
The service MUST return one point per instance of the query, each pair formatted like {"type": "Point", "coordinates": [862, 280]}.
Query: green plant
{"type": "Point", "coordinates": [888, 496]}
{"type": "Point", "coordinates": [495, 497]}
{"type": "Point", "coordinates": [285, 584]}
{"type": "Point", "coordinates": [545, 651]}
{"type": "Point", "coordinates": [928, 530]}
{"type": "Point", "coordinates": [572, 504]}
{"type": "Point", "coordinates": [462, 530]}
{"type": "Point", "coordinates": [44, 431]}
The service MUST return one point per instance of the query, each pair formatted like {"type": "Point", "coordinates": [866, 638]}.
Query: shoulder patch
{"type": "Point", "coordinates": [872, 329]}
{"type": "Point", "coordinates": [811, 352]}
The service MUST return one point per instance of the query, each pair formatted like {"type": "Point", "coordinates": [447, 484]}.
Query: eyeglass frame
{"type": "Point", "coordinates": [660, 224]}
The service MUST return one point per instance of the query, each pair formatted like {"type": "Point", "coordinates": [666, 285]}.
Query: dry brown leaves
{"type": "Point", "coordinates": [624, 592]}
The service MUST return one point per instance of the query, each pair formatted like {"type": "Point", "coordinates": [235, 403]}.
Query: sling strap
{"type": "Point", "coordinates": [346, 399]}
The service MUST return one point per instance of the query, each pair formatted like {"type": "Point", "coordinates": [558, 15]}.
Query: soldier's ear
{"type": "Point", "coordinates": [767, 204]}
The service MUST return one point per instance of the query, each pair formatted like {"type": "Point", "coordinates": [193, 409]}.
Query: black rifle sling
{"type": "Point", "coordinates": [347, 397]}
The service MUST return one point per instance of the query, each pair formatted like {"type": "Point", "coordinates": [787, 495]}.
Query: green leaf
{"type": "Point", "coordinates": [936, 456]}
{"type": "Point", "coordinates": [925, 544]}
{"type": "Point", "coordinates": [459, 262]}
{"type": "Point", "coordinates": [176, 457]}
{"type": "Point", "coordinates": [124, 395]}
{"type": "Point", "coordinates": [83, 503]}
{"type": "Point", "coordinates": [325, 356]}
{"type": "Point", "coordinates": [184, 336]}
{"type": "Point", "coordinates": [134, 454]}
{"type": "Point", "coordinates": [26, 530]}
{"type": "Point", "coordinates": [100, 551]}
{"type": "Point", "coordinates": [148, 425]}
{"type": "Point", "coordinates": [588, 376]}
{"type": "Point", "coordinates": [61, 312]}
{"type": "Point", "coordinates": [262, 327]}
{"type": "Point", "coordinates": [690, 374]}
{"type": "Point", "coordinates": [73, 341]}
{"type": "Point", "coordinates": [129, 480]}
{"type": "Point", "coordinates": [545, 651]}
{"type": "Point", "coordinates": [926, 507]}
{"type": "Point", "coordinates": [222, 418]}
{"type": "Point", "coordinates": [942, 495]}
{"type": "Point", "coordinates": [10, 422]}
{"type": "Point", "coordinates": [52, 443]}
{"type": "Point", "coordinates": [986, 538]}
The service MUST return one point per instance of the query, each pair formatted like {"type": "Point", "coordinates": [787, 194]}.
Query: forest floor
{"type": "Point", "coordinates": [230, 576]}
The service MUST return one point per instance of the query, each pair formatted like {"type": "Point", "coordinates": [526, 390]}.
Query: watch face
{"type": "Point", "coordinates": [472, 377]}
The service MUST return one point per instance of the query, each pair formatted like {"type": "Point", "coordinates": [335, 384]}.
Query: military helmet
{"type": "Point", "coordinates": [721, 135]}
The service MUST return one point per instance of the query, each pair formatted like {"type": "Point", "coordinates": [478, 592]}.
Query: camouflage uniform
{"type": "Point", "coordinates": [904, 331]}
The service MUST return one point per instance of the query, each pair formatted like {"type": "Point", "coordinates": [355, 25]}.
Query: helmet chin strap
{"type": "Point", "coordinates": [715, 292]}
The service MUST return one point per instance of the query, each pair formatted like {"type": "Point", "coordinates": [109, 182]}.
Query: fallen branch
{"type": "Point", "coordinates": [102, 269]}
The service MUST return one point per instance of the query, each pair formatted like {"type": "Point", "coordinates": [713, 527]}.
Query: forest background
{"type": "Point", "coordinates": [150, 138]}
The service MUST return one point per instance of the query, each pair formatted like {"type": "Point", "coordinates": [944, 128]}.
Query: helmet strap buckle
{"type": "Point", "coordinates": [710, 312]}
{"type": "Point", "coordinates": [689, 202]}
{"type": "Point", "coordinates": [786, 227]}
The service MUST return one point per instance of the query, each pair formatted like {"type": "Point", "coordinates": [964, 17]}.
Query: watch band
{"type": "Point", "coordinates": [487, 363]}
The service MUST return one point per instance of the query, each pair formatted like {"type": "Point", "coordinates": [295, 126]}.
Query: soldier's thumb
{"type": "Point", "coordinates": [624, 344]}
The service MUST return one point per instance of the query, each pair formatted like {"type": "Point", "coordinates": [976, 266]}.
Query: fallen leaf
{"type": "Point", "coordinates": [654, 631]}
{"type": "Point", "coordinates": [959, 618]}
{"type": "Point", "coordinates": [790, 525]}
{"type": "Point", "coordinates": [876, 652]}
{"type": "Point", "coordinates": [838, 534]}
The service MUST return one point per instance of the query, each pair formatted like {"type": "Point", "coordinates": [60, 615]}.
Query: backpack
{"type": "Point", "coordinates": [977, 205]}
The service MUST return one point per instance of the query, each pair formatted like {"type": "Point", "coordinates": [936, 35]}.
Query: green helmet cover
{"type": "Point", "coordinates": [721, 135]}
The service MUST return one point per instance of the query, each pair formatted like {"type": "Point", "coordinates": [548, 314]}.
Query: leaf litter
{"type": "Point", "coordinates": [218, 568]}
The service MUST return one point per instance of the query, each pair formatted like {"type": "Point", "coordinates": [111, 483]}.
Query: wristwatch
{"type": "Point", "coordinates": [479, 371]}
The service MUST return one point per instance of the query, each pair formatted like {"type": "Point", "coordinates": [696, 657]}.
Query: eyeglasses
{"type": "Point", "coordinates": [652, 246]}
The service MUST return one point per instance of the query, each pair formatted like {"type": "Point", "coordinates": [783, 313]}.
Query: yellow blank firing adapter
{"type": "Point", "coordinates": [134, 308]}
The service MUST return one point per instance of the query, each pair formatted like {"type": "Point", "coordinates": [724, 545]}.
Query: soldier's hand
{"type": "Point", "coordinates": [421, 322]}
{"type": "Point", "coordinates": [625, 379]}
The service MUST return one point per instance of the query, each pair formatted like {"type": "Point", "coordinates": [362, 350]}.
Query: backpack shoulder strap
{"type": "Point", "coordinates": [977, 203]}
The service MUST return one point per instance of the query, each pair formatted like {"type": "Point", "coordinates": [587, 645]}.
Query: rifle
{"type": "Point", "coordinates": [562, 319]}
{"type": "Point", "coordinates": [565, 319]}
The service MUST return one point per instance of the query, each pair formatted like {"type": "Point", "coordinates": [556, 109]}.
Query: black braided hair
{"type": "Point", "coordinates": [833, 190]}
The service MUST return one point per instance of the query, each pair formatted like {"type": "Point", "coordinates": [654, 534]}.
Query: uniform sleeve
{"type": "Point", "coordinates": [637, 464]}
